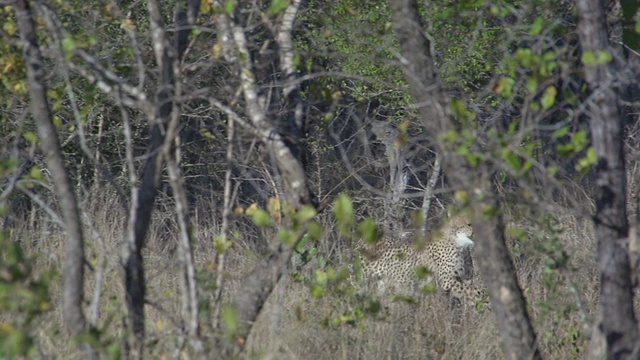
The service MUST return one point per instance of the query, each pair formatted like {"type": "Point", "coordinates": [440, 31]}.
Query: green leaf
{"type": "Point", "coordinates": [229, 6]}
{"type": "Point", "coordinates": [460, 111]}
{"type": "Point", "coordinates": [114, 351]}
{"type": "Point", "coordinates": [261, 217]}
{"type": "Point", "coordinates": [297, 61]}
{"type": "Point", "coordinates": [588, 58]}
{"type": "Point", "coordinates": [68, 44]}
{"type": "Point", "coordinates": [565, 149]}
{"type": "Point", "coordinates": [525, 57]}
{"type": "Point", "coordinates": [549, 97]}
{"type": "Point", "coordinates": [10, 27]}
{"type": "Point", "coordinates": [474, 159]}
{"type": "Point", "coordinates": [504, 86]}
{"type": "Point", "coordinates": [300, 246]}
{"type": "Point", "coordinates": [422, 272]}
{"type": "Point", "coordinates": [317, 291]}
{"type": "Point", "coordinates": [315, 230]}
{"type": "Point", "coordinates": [536, 27]}
{"type": "Point", "coordinates": [430, 288]}
{"type": "Point", "coordinates": [562, 132]}
{"type": "Point", "coordinates": [30, 137]}
{"type": "Point", "coordinates": [532, 85]}
{"type": "Point", "coordinates": [358, 271]}
{"type": "Point", "coordinates": [512, 159]}
{"type": "Point", "coordinates": [599, 57]}
{"type": "Point", "coordinates": [306, 213]}
{"type": "Point", "coordinates": [604, 57]}
{"type": "Point", "coordinates": [286, 236]}
{"type": "Point", "coordinates": [220, 244]}
{"type": "Point", "coordinates": [585, 164]}
{"type": "Point", "coordinates": [57, 121]}
{"type": "Point", "coordinates": [36, 173]}
{"type": "Point", "coordinates": [369, 230]}
{"type": "Point", "coordinates": [321, 277]}
{"type": "Point", "coordinates": [231, 319]}
{"type": "Point", "coordinates": [458, 107]}
{"type": "Point", "coordinates": [580, 140]}
{"type": "Point", "coordinates": [277, 6]}
{"type": "Point", "coordinates": [450, 136]}
{"type": "Point", "coordinates": [343, 209]}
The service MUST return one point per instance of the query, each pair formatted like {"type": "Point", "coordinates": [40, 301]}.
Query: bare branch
{"type": "Point", "coordinates": [429, 193]}
{"type": "Point", "coordinates": [226, 217]}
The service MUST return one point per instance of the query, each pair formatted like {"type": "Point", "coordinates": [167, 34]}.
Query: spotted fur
{"type": "Point", "coordinates": [392, 265]}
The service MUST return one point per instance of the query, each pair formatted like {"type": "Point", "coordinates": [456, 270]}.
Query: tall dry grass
{"type": "Point", "coordinates": [295, 324]}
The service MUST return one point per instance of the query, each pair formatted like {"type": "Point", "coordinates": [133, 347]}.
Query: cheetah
{"type": "Point", "coordinates": [396, 266]}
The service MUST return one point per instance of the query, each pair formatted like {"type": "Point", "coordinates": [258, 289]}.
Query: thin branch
{"type": "Point", "coordinates": [47, 209]}
{"type": "Point", "coordinates": [429, 193]}
{"type": "Point", "coordinates": [226, 217]}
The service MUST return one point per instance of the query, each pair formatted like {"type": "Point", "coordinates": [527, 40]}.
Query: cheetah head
{"type": "Point", "coordinates": [460, 229]}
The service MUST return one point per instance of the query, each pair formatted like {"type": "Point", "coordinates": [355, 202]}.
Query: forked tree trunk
{"type": "Point", "coordinates": [167, 57]}
{"type": "Point", "coordinates": [496, 267]}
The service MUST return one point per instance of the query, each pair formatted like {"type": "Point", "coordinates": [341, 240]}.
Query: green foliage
{"type": "Point", "coordinates": [461, 112]}
{"type": "Point", "coordinates": [369, 231]}
{"type": "Point", "coordinates": [559, 306]}
{"type": "Point", "coordinates": [359, 35]}
{"type": "Point", "coordinates": [578, 142]}
{"type": "Point", "coordinates": [24, 298]}
{"type": "Point", "coordinates": [422, 272]}
{"type": "Point", "coordinates": [277, 6]}
{"type": "Point", "coordinates": [229, 6]}
{"type": "Point", "coordinates": [221, 244]}
{"type": "Point", "coordinates": [261, 218]}
{"type": "Point", "coordinates": [467, 43]}
{"type": "Point", "coordinates": [599, 57]}
{"type": "Point", "coordinates": [590, 159]}
{"type": "Point", "coordinates": [343, 209]}
{"type": "Point", "coordinates": [231, 320]}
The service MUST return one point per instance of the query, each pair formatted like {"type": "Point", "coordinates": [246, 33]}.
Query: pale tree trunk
{"type": "Point", "coordinates": [73, 291]}
{"type": "Point", "coordinates": [617, 322]}
{"type": "Point", "coordinates": [509, 306]}
{"type": "Point", "coordinates": [184, 19]}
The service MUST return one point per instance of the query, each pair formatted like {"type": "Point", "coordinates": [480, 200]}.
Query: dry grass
{"type": "Point", "coordinates": [293, 324]}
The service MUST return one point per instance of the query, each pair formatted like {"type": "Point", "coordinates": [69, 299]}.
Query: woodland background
{"type": "Point", "coordinates": [186, 179]}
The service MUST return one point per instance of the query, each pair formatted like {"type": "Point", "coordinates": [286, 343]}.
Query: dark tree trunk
{"type": "Point", "coordinates": [167, 58]}
{"type": "Point", "coordinates": [617, 323]}
{"type": "Point", "coordinates": [496, 267]}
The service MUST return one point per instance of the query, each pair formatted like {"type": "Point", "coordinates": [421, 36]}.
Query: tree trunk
{"type": "Point", "coordinates": [283, 149]}
{"type": "Point", "coordinates": [167, 57]}
{"type": "Point", "coordinates": [73, 292]}
{"type": "Point", "coordinates": [496, 267]}
{"type": "Point", "coordinates": [617, 323]}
